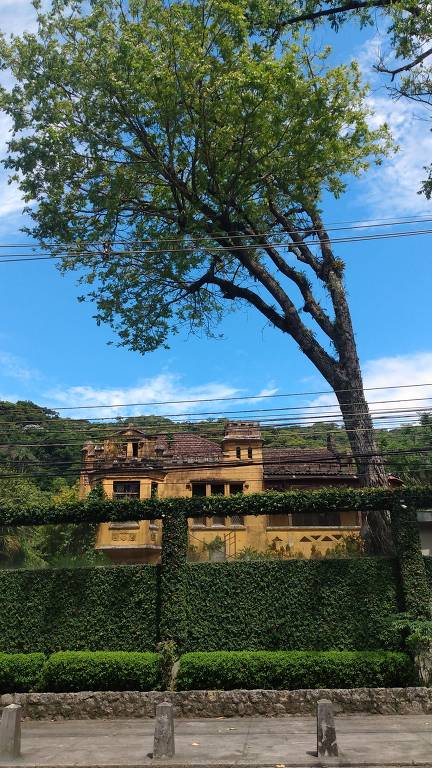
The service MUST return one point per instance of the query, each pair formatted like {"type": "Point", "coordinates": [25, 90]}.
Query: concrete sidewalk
{"type": "Point", "coordinates": [364, 740]}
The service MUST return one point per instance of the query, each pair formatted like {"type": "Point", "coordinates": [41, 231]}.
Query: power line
{"type": "Point", "coordinates": [5, 259]}
{"type": "Point", "coordinates": [208, 429]}
{"type": "Point", "coordinates": [386, 417]}
{"type": "Point", "coordinates": [232, 398]}
{"type": "Point", "coordinates": [191, 418]}
{"type": "Point", "coordinates": [343, 461]}
{"type": "Point", "coordinates": [332, 227]}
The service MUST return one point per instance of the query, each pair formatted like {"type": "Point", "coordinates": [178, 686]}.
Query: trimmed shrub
{"type": "Point", "coordinates": [20, 672]}
{"type": "Point", "coordinates": [102, 671]}
{"type": "Point", "coordinates": [293, 670]}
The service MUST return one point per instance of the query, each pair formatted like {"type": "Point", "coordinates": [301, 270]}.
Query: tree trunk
{"type": "Point", "coordinates": [370, 467]}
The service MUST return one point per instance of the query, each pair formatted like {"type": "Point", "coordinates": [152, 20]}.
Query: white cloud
{"type": "Point", "coordinates": [392, 188]}
{"type": "Point", "coordinates": [13, 367]}
{"type": "Point", "coordinates": [159, 389]}
{"type": "Point", "coordinates": [403, 379]}
{"type": "Point", "coordinates": [10, 196]}
{"type": "Point", "coordinates": [16, 17]}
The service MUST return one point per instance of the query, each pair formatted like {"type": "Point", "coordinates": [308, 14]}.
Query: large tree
{"type": "Point", "coordinates": [179, 157]}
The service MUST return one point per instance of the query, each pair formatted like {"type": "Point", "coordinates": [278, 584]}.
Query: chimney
{"type": "Point", "coordinates": [330, 443]}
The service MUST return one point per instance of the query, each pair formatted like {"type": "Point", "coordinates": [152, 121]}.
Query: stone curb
{"type": "Point", "coordinates": [90, 705]}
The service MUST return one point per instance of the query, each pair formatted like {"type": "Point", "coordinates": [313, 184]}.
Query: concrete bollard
{"type": "Point", "coordinates": [164, 731]}
{"type": "Point", "coordinates": [10, 731]}
{"type": "Point", "coordinates": [326, 731]}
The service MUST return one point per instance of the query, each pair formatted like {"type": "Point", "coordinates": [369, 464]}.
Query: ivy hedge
{"type": "Point", "coordinates": [79, 609]}
{"type": "Point", "coordinates": [292, 605]}
{"type": "Point", "coordinates": [100, 510]}
{"type": "Point", "coordinates": [299, 604]}
{"type": "Point", "coordinates": [294, 670]}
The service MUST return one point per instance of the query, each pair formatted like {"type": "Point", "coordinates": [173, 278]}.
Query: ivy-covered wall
{"type": "Point", "coordinates": [299, 604]}
{"type": "Point", "coordinates": [303, 604]}
{"type": "Point", "coordinates": [87, 608]}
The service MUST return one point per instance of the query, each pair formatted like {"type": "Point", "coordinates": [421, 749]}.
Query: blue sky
{"type": "Point", "coordinates": [52, 352]}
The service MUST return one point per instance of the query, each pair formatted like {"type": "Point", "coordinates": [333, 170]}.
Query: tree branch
{"type": "Point", "coordinates": [405, 67]}
{"type": "Point", "coordinates": [354, 5]}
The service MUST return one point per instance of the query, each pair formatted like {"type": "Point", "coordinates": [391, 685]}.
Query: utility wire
{"type": "Point", "coordinates": [206, 429]}
{"type": "Point", "coordinates": [5, 259]}
{"type": "Point", "coordinates": [336, 226]}
{"type": "Point", "coordinates": [244, 398]}
{"type": "Point", "coordinates": [338, 458]}
{"type": "Point", "coordinates": [388, 419]}
{"type": "Point", "coordinates": [194, 417]}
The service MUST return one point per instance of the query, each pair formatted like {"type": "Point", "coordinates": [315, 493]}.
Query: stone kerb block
{"type": "Point", "coordinates": [326, 731]}
{"type": "Point", "coordinates": [164, 731]}
{"type": "Point", "coordinates": [10, 731]}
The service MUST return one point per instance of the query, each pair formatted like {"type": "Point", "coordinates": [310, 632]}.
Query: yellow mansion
{"type": "Point", "coordinates": [140, 464]}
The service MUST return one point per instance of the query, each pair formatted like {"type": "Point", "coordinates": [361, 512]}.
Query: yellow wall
{"type": "Point", "coordinates": [140, 541]}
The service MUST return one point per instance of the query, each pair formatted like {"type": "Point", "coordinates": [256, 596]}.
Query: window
{"type": "Point", "coordinates": [135, 449]}
{"type": "Point", "coordinates": [201, 521]}
{"type": "Point", "coordinates": [316, 519]}
{"type": "Point", "coordinates": [249, 453]}
{"type": "Point", "coordinates": [217, 489]}
{"type": "Point", "coordinates": [217, 521]}
{"type": "Point", "coordinates": [279, 521]}
{"type": "Point", "coordinates": [198, 489]}
{"type": "Point", "coordinates": [238, 453]}
{"type": "Point", "coordinates": [235, 488]}
{"type": "Point", "coordinates": [129, 490]}
{"type": "Point", "coordinates": [154, 490]}
{"type": "Point", "coordinates": [237, 520]}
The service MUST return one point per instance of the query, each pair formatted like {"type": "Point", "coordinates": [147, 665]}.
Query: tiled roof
{"type": "Point", "coordinates": [184, 444]}
{"type": "Point", "coordinates": [285, 462]}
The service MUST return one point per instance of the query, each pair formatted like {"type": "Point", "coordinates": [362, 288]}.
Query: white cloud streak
{"type": "Point", "coordinates": [13, 367]}
{"type": "Point", "coordinates": [392, 189]}
{"type": "Point", "coordinates": [159, 389]}
{"type": "Point", "coordinates": [405, 373]}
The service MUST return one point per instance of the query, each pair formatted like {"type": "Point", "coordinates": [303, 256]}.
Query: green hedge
{"type": "Point", "coordinates": [290, 605]}
{"type": "Point", "coordinates": [20, 672]}
{"type": "Point", "coordinates": [102, 671]}
{"type": "Point", "coordinates": [306, 604]}
{"type": "Point", "coordinates": [93, 510]}
{"type": "Point", "coordinates": [79, 609]}
{"type": "Point", "coordinates": [292, 670]}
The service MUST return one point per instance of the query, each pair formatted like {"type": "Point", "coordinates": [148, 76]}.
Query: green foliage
{"type": "Point", "coordinates": [79, 609]}
{"type": "Point", "coordinates": [172, 580]}
{"type": "Point", "coordinates": [68, 546]}
{"type": "Point", "coordinates": [20, 672]}
{"type": "Point", "coordinates": [101, 671]}
{"type": "Point", "coordinates": [291, 604]}
{"type": "Point", "coordinates": [415, 585]}
{"type": "Point", "coordinates": [167, 651]}
{"type": "Point", "coordinates": [266, 503]}
{"type": "Point", "coordinates": [294, 669]}
{"type": "Point", "coordinates": [406, 63]}
{"type": "Point", "coordinates": [33, 434]}
{"type": "Point", "coordinates": [17, 545]}
{"type": "Point", "coordinates": [175, 121]}
{"type": "Point", "coordinates": [273, 604]}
